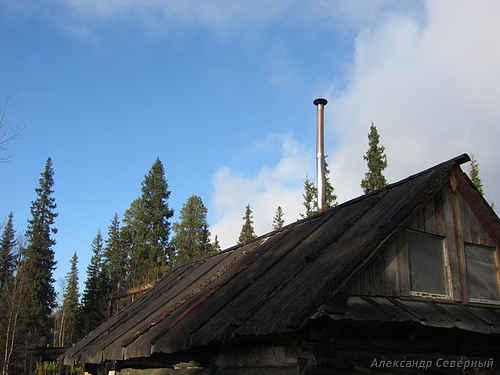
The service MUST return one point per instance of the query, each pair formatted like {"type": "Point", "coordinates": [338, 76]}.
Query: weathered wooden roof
{"type": "Point", "coordinates": [271, 286]}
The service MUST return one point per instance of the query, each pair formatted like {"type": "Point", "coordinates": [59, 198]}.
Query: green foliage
{"type": "Point", "coordinates": [310, 194]}
{"type": "Point", "coordinates": [376, 161]}
{"type": "Point", "coordinates": [52, 368]}
{"type": "Point", "coordinates": [474, 174]}
{"type": "Point", "coordinates": [216, 244]}
{"type": "Point", "coordinates": [14, 331]}
{"type": "Point", "coordinates": [330, 196]}
{"type": "Point", "coordinates": [96, 288]}
{"type": "Point", "coordinates": [191, 240]}
{"type": "Point", "coordinates": [115, 257]}
{"type": "Point", "coordinates": [310, 198]}
{"type": "Point", "coordinates": [13, 293]}
{"type": "Point", "coordinates": [69, 328]}
{"type": "Point", "coordinates": [278, 220]}
{"type": "Point", "coordinates": [147, 229]}
{"type": "Point", "coordinates": [39, 259]}
{"type": "Point", "coordinates": [247, 231]}
{"type": "Point", "coordinates": [7, 256]}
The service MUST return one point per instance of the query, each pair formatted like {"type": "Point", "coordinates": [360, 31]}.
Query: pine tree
{"type": "Point", "coordinates": [247, 231]}
{"type": "Point", "coordinates": [7, 256]}
{"type": "Point", "coordinates": [39, 259]}
{"type": "Point", "coordinates": [115, 257]}
{"type": "Point", "coordinates": [377, 162]}
{"type": "Point", "coordinates": [70, 310]}
{"type": "Point", "coordinates": [474, 174]}
{"type": "Point", "coordinates": [191, 240]}
{"type": "Point", "coordinates": [278, 220]}
{"type": "Point", "coordinates": [96, 287]}
{"type": "Point", "coordinates": [148, 228]}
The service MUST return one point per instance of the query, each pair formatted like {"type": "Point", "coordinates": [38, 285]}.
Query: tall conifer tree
{"type": "Point", "coordinates": [115, 256]}
{"type": "Point", "coordinates": [192, 237]}
{"type": "Point", "coordinates": [70, 310]}
{"type": "Point", "coordinates": [247, 231]}
{"type": "Point", "coordinates": [39, 259]}
{"type": "Point", "coordinates": [7, 256]}
{"type": "Point", "coordinates": [310, 199]}
{"type": "Point", "coordinates": [330, 196]}
{"type": "Point", "coordinates": [278, 219]}
{"type": "Point", "coordinates": [474, 174]}
{"type": "Point", "coordinates": [376, 161]}
{"type": "Point", "coordinates": [216, 244]}
{"type": "Point", "coordinates": [96, 288]}
{"type": "Point", "coordinates": [310, 194]}
{"type": "Point", "coordinates": [148, 228]}
{"type": "Point", "coordinates": [9, 300]}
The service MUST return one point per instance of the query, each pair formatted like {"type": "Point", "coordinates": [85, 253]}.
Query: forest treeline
{"type": "Point", "coordinates": [138, 249]}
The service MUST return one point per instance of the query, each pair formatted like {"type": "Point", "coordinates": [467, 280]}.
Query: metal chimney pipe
{"type": "Point", "coordinates": [320, 151]}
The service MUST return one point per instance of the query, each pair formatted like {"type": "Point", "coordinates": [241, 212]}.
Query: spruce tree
{"type": "Point", "coordinates": [310, 194]}
{"type": "Point", "coordinates": [330, 196]}
{"type": "Point", "coordinates": [474, 174]}
{"type": "Point", "coordinates": [310, 198]}
{"type": "Point", "coordinates": [7, 256]}
{"type": "Point", "coordinates": [70, 309]}
{"type": "Point", "coordinates": [278, 219]}
{"type": "Point", "coordinates": [8, 298]}
{"type": "Point", "coordinates": [115, 256]}
{"type": "Point", "coordinates": [247, 231]}
{"type": "Point", "coordinates": [148, 228]}
{"type": "Point", "coordinates": [191, 240]}
{"type": "Point", "coordinates": [96, 288]}
{"type": "Point", "coordinates": [376, 161]}
{"type": "Point", "coordinates": [216, 244]}
{"type": "Point", "coordinates": [39, 259]}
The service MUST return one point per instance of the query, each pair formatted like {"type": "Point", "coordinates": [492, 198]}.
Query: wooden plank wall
{"type": "Point", "coordinates": [448, 215]}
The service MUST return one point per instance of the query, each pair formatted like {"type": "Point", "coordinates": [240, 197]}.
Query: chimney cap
{"type": "Point", "coordinates": [322, 101]}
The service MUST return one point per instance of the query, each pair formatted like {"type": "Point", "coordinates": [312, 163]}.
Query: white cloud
{"type": "Point", "coordinates": [272, 186]}
{"type": "Point", "coordinates": [431, 88]}
{"type": "Point", "coordinates": [220, 16]}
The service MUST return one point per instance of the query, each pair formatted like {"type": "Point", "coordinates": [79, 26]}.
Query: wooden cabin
{"type": "Point", "coordinates": [403, 280]}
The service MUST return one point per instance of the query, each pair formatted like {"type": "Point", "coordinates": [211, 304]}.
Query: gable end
{"type": "Point", "coordinates": [458, 233]}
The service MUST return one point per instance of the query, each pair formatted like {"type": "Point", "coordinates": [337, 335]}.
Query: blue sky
{"type": "Point", "coordinates": [222, 91]}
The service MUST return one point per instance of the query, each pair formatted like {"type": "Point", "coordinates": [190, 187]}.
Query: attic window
{"type": "Point", "coordinates": [427, 264]}
{"type": "Point", "coordinates": [482, 273]}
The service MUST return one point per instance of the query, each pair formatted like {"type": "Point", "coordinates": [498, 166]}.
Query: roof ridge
{"type": "Point", "coordinates": [456, 161]}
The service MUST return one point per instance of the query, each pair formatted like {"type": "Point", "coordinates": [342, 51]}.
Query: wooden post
{"type": "Point", "coordinates": [41, 366]}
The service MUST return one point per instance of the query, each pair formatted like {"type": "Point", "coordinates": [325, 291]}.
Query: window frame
{"type": "Point", "coordinates": [496, 259]}
{"type": "Point", "coordinates": [446, 267]}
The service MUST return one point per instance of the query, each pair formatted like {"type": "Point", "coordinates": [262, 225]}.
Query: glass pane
{"type": "Point", "coordinates": [427, 267]}
{"type": "Point", "coordinates": [481, 272]}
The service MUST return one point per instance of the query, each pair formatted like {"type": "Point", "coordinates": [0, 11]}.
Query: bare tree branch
{"type": "Point", "coordinates": [7, 134]}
